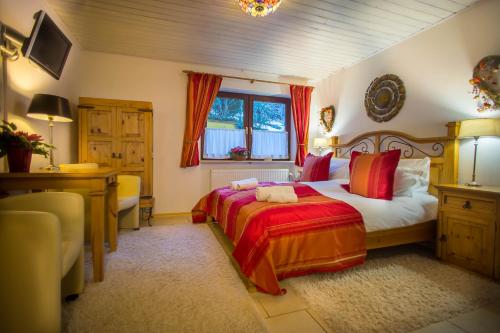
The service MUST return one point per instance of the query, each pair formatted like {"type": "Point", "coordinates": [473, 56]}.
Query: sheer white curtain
{"type": "Point", "coordinates": [218, 141]}
{"type": "Point", "coordinates": [267, 144]}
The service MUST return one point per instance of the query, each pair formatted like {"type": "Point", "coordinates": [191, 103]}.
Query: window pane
{"type": "Point", "coordinates": [225, 128]}
{"type": "Point", "coordinates": [269, 116]}
{"type": "Point", "coordinates": [227, 113]}
{"type": "Point", "coordinates": [269, 135]}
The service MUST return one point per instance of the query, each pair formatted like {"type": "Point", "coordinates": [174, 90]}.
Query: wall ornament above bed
{"type": "Point", "coordinates": [385, 97]}
{"type": "Point", "coordinates": [486, 85]}
{"type": "Point", "coordinates": [327, 117]}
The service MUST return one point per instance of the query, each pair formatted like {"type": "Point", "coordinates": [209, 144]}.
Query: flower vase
{"type": "Point", "coordinates": [238, 157]}
{"type": "Point", "coordinates": [19, 159]}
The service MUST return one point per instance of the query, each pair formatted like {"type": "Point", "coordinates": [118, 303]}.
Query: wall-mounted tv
{"type": "Point", "coordinates": [47, 46]}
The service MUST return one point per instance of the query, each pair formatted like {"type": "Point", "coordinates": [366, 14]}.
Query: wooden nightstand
{"type": "Point", "coordinates": [469, 227]}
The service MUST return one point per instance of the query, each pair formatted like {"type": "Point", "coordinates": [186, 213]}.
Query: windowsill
{"type": "Point", "coordinates": [244, 162]}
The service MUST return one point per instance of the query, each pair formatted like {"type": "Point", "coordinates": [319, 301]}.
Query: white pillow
{"type": "Point", "coordinates": [339, 168]}
{"type": "Point", "coordinates": [412, 175]}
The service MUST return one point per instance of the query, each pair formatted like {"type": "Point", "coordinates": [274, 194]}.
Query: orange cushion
{"type": "Point", "coordinates": [316, 168]}
{"type": "Point", "coordinates": [372, 175]}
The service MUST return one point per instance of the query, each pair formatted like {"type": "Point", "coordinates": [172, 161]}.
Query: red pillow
{"type": "Point", "coordinates": [372, 175]}
{"type": "Point", "coordinates": [316, 168]}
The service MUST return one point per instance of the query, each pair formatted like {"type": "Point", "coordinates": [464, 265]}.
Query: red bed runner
{"type": "Point", "coordinates": [278, 240]}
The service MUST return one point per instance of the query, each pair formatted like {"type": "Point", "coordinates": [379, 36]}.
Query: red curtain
{"type": "Point", "coordinates": [202, 91]}
{"type": "Point", "coordinates": [301, 102]}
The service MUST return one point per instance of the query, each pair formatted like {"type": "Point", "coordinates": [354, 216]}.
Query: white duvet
{"type": "Point", "coordinates": [383, 214]}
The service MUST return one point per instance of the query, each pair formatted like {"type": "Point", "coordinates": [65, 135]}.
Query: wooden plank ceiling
{"type": "Point", "coordinates": [303, 38]}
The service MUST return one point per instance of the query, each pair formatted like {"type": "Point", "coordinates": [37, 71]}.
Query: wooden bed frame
{"type": "Point", "coordinates": [443, 152]}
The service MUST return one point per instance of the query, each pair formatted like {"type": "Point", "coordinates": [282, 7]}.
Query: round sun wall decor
{"type": "Point", "coordinates": [385, 97]}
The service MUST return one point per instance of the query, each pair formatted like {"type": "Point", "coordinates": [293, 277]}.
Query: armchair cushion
{"type": "Point", "coordinates": [127, 202]}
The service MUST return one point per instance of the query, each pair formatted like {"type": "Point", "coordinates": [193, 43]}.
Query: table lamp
{"type": "Point", "coordinates": [476, 128]}
{"type": "Point", "coordinates": [53, 109]}
{"type": "Point", "coordinates": [320, 144]}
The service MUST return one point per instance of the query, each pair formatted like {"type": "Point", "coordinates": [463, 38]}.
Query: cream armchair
{"type": "Point", "coordinates": [41, 255]}
{"type": "Point", "coordinates": [129, 192]}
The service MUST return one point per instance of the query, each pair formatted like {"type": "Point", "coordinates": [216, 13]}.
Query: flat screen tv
{"type": "Point", "coordinates": [47, 46]}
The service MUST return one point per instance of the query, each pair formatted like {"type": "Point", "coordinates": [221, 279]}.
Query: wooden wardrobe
{"type": "Point", "coordinates": [118, 134]}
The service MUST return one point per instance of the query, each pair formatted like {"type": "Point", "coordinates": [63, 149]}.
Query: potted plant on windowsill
{"type": "Point", "coordinates": [19, 147]}
{"type": "Point", "coordinates": [238, 153]}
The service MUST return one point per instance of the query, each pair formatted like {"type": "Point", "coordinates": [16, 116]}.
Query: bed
{"type": "Point", "coordinates": [296, 238]}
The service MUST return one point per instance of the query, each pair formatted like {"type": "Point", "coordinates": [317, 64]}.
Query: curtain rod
{"type": "Point", "coordinates": [245, 78]}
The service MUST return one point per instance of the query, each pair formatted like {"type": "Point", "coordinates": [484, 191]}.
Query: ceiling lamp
{"type": "Point", "coordinates": [259, 7]}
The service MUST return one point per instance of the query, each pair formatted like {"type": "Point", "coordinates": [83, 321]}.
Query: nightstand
{"type": "Point", "coordinates": [469, 227]}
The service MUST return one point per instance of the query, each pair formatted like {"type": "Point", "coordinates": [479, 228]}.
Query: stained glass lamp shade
{"type": "Point", "coordinates": [259, 7]}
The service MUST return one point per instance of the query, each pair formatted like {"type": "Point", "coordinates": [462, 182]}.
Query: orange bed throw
{"type": "Point", "coordinates": [274, 241]}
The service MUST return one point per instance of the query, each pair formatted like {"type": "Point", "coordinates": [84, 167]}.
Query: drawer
{"type": "Point", "coordinates": [465, 204]}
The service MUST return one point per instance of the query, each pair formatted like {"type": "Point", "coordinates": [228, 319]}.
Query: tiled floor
{"type": "Point", "coordinates": [290, 313]}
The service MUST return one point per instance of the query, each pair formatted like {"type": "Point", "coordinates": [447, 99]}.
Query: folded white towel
{"type": "Point", "coordinates": [283, 197]}
{"type": "Point", "coordinates": [244, 184]}
{"type": "Point", "coordinates": [262, 193]}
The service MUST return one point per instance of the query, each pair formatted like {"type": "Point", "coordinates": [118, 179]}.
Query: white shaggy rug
{"type": "Point", "coordinates": [167, 278]}
{"type": "Point", "coordinates": [397, 290]}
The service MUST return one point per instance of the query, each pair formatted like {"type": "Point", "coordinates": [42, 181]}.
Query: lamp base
{"type": "Point", "coordinates": [51, 167]}
{"type": "Point", "coordinates": [473, 184]}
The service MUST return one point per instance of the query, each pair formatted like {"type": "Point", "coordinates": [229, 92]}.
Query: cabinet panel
{"type": "Point", "coordinates": [100, 122]}
{"type": "Point", "coordinates": [132, 154]}
{"type": "Point", "coordinates": [132, 123]}
{"type": "Point", "coordinates": [100, 152]}
{"type": "Point", "coordinates": [469, 244]}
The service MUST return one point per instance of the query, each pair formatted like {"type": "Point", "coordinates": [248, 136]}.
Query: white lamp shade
{"type": "Point", "coordinates": [479, 127]}
{"type": "Point", "coordinates": [320, 142]}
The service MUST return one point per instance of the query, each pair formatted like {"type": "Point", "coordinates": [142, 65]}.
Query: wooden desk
{"type": "Point", "coordinates": [99, 182]}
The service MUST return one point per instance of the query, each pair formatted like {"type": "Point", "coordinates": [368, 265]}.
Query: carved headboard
{"type": "Point", "coordinates": [443, 151]}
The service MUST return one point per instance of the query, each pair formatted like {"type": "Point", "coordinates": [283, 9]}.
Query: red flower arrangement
{"type": "Point", "coordinates": [11, 138]}
{"type": "Point", "coordinates": [238, 153]}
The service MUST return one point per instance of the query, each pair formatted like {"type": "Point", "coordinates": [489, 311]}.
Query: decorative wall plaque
{"type": "Point", "coordinates": [385, 97]}
{"type": "Point", "coordinates": [327, 117]}
{"type": "Point", "coordinates": [486, 77]}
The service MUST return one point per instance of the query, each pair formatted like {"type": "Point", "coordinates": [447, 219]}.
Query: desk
{"type": "Point", "coordinates": [99, 182]}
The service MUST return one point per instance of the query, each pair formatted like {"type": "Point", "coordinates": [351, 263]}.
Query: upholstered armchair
{"type": "Point", "coordinates": [129, 192]}
{"type": "Point", "coordinates": [41, 255]}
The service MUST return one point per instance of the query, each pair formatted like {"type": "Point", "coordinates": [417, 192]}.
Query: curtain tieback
{"type": "Point", "coordinates": [301, 144]}
{"type": "Point", "coordinates": [188, 142]}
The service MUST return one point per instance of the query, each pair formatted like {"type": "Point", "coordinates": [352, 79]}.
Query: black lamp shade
{"type": "Point", "coordinates": [45, 107]}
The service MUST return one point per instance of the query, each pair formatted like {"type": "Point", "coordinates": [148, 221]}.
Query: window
{"type": "Point", "coordinates": [259, 123]}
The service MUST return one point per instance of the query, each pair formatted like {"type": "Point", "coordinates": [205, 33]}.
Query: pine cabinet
{"type": "Point", "coordinates": [468, 228]}
{"type": "Point", "coordinates": [118, 134]}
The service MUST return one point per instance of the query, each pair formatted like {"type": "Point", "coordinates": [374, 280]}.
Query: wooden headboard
{"type": "Point", "coordinates": [443, 151]}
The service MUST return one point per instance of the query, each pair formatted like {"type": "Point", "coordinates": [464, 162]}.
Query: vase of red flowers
{"type": "Point", "coordinates": [19, 146]}
{"type": "Point", "coordinates": [238, 153]}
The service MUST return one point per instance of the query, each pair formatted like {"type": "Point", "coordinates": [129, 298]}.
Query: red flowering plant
{"type": "Point", "coordinates": [10, 137]}
{"type": "Point", "coordinates": [238, 152]}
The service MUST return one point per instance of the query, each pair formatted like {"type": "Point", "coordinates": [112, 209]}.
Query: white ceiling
{"type": "Point", "coordinates": [304, 38]}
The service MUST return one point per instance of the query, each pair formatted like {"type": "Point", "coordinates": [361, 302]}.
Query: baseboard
{"type": "Point", "coordinates": [172, 214]}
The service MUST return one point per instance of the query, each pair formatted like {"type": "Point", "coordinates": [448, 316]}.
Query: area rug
{"type": "Point", "coordinates": [165, 278]}
{"type": "Point", "coordinates": [397, 290]}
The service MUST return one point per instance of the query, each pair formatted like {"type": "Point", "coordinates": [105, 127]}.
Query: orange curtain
{"type": "Point", "coordinates": [301, 102]}
{"type": "Point", "coordinates": [202, 91]}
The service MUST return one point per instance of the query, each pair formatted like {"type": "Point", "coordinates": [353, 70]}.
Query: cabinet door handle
{"type": "Point", "coordinates": [467, 205]}
{"type": "Point", "coordinates": [99, 130]}
{"type": "Point", "coordinates": [120, 155]}
{"type": "Point", "coordinates": [113, 155]}
{"type": "Point", "coordinates": [91, 130]}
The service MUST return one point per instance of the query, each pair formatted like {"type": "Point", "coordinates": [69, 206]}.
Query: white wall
{"type": "Point", "coordinates": [435, 67]}
{"type": "Point", "coordinates": [163, 83]}
{"type": "Point", "coordinates": [26, 79]}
